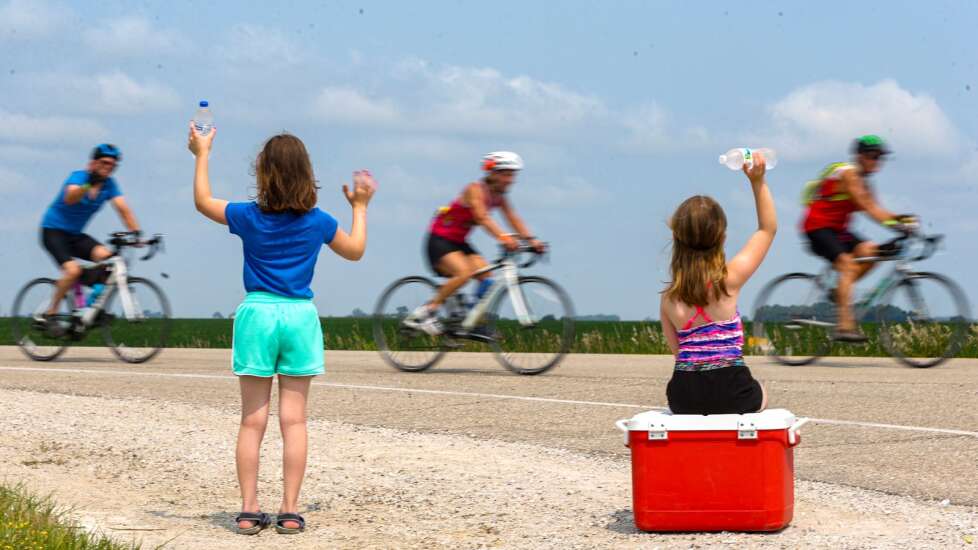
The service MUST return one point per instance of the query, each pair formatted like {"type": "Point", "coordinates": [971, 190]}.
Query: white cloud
{"type": "Point", "coordinates": [467, 100]}
{"type": "Point", "coordinates": [346, 105]}
{"type": "Point", "coordinates": [21, 128]}
{"type": "Point", "coordinates": [24, 19]}
{"type": "Point", "coordinates": [118, 93]}
{"type": "Point", "coordinates": [113, 93]}
{"type": "Point", "coordinates": [132, 36]}
{"type": "Point", "coordinates": [250, 45]}
{"type": "Point", "coordinates": [822, 118]}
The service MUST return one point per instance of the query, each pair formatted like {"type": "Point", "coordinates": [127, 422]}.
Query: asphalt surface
{"type": "Point", "coordinates": [928, 450]}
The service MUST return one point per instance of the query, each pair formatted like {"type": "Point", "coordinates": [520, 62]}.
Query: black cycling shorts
{"type": "Point", "coordinates": [829, 243]}
{"type": "Point", "coordinates": [728, 390]}
{"type": "Point", "coordinates": [64, 246]}
{"type": "Point", "coordinates": [438, 247]}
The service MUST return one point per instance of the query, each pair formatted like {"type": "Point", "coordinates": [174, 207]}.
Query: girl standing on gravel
{"type": "Point", "coordinates": [277, 328]}
{"type": "Point", "coordinates": [710, 376]}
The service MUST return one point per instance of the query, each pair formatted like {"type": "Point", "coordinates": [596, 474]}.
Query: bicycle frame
{"type": "Point", "coordinates": [900, 272]}
{"type": "Point", "coordinates": [117, 282]}
{"type": "Point", "coordinates": [509, 281]}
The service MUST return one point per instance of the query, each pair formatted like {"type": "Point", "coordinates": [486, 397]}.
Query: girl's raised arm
{"type": "Point", "coordinates": [746, 262]}
{"type": "Point", "coordinates": [352, 246]}
{"type": "Point", "coordinates": [206, 204]}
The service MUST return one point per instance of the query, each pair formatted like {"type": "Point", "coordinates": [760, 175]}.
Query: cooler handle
{"type": "Point", "coordinates": [623, 426]}
{"type": "Point", "coordinates": [793, 431]}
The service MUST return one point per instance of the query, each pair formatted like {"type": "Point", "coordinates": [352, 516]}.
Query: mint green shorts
{"type": "Point", "coordinates": [277, 335]}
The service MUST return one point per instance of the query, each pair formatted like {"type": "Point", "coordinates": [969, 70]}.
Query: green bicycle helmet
{"type": "Point", "coordinates": [870, 143]}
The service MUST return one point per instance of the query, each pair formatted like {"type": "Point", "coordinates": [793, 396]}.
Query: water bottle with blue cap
{"type": "Point", "coordinates": [203, 119]}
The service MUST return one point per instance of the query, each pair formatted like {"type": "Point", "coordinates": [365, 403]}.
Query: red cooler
{"type": "Point", "coordinates": [720, 472]}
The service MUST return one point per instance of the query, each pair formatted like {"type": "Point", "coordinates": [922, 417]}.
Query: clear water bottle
{"type": "Point", "coordinates": [203, 119]}
{"type": "Point", "coordinates": [735, 159]}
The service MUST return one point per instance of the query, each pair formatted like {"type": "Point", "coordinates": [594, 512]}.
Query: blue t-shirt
{"type": "Point", "coordinates": [280, 249]}
{"type": "Point", "coordinates": [73, 217]}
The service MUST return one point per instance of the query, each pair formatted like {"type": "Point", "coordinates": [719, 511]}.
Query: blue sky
{"type": "Point", "coordinates": [618, 108]}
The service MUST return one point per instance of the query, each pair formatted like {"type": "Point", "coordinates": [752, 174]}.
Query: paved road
{"type": "Point", "coordinates": [929, 450]}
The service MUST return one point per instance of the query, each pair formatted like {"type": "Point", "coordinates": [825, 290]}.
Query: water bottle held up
{"type": "Point", "coordinates": [203, 119]}
{"type": "Point", "coordinates": [735, 159]}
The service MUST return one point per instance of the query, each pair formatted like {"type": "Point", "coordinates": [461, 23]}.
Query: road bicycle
{"type": "Point", "coordinates": [133, 313]}
{"type": "Point", "coordinates": [922, 318]}
{"type": "Point", "coordinates": [527, 321]}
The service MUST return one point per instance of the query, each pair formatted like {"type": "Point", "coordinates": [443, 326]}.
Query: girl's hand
{"type": "Point", "coordinates": [364, 187]}
{"type": "Point", "coordinates": [200, 145]}
{"type": "Point", "coordinates": [756, 173]}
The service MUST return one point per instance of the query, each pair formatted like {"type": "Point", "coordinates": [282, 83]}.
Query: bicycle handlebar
{"type": "Point", "coordinates": [126, 239]}
{"type": "Point", "coordinates": [523, 248]}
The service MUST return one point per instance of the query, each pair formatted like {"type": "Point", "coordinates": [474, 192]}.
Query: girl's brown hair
{"type": "Point", "coordinates": [699, 266]}
{"type": "Point", "coordinates": [284, 176]}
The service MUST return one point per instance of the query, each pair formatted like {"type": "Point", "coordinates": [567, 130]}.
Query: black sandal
{"type": "Point", "coordinates": [261, 519]}
{"type": "Point", "coordinates": [283, 530]}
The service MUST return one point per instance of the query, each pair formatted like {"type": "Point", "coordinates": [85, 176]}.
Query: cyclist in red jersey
{"type": "Point", "coordinates": [843, 190]}
{"type": "Point", "coordinates": [450, 254]}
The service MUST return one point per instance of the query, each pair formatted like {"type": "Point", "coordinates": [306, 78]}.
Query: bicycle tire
{"type": "Point", "coordinates": [566, 336]}
{"type": "Point", "coordinates": [958, 331]}
{"type": "Point", "coordinates": [156, 343]}
{"type": "Point", "coordinates": [20, 332]}
{"type": "Point", "coordinates": [382, 321]}
{"type": "Point", "coordinates": [769, 339]}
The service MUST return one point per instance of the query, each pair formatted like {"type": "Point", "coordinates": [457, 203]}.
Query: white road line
{"type": "Point", "coordinates": [229, 377]}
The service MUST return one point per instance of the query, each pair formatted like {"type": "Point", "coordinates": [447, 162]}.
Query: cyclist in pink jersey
{"type": "Point", "coordinates": [449, 253]}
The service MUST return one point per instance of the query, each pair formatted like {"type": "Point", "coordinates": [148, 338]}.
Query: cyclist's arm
{"type": "Point", "coordinates": [668, 329]}
{"type": "Point", "coordinates": [746, 262]}
{"type": "Point", "coordinates": [75, 193]}
{"type": "Point", "coordinates": [125, 213]}
{"type": "Point", "coordinates": [205, 202]}
{"type": "Point", "coordinates": [854, 185]}
{"type": "Point", "coordinates": [515, 221]}
{"type": "Point", "coordinates": [480, 214]}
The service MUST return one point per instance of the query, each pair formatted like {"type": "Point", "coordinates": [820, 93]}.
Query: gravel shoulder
{"type": "Point", "coordinates": [163, 471]}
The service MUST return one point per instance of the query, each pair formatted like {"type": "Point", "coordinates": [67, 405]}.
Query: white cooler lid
{"type": "Point", "coordinates": [770, 419]}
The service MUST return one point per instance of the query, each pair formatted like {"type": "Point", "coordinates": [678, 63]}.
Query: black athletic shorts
{"type": "Point", "coordinates": [727, 390]}
{"type": "Point", "coordinates": [829, 243]}
{"type": "Point", "coordinates": [440, 246]}
{"type": "Point", "coordinates": [64, 246]}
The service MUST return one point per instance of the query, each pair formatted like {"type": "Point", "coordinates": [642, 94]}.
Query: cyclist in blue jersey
{"type": "Point", "coordinates": [80, 197]}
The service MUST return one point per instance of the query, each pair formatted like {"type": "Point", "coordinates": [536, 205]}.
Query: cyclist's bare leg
{"type": "Point", "coordinates": [255, 396]}
{"type": "Point", "coordinates": [461, 267]}
{"type": "Point", "coordinates": [849, 271]}
{"type": "Point", "coordinates": [865, 249]}
{"type": "Point", "coordinates": [70, 271]}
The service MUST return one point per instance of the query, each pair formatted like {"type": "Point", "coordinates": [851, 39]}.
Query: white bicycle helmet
{"type": "Point", "coordinates": [502, 160]}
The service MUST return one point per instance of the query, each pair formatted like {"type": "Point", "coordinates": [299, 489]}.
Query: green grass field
{"type": "Point", "coordinates": [628, 337]}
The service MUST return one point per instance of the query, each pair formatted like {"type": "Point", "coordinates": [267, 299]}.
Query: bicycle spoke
{"type": "Point", "coordinates": [924, 320]}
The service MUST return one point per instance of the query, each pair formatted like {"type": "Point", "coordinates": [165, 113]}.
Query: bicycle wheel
{"type": "Point", "coordinates": [924, 319]}
{"type": "Point", "coordinates": [37, 343]}
{"type": "Point", "coordinates": [539, 346]}
{"type": "Point", "coordinates": [401, 347]}
{"type": "Point", "coordinates": [793, 320]}
{"type": "Point", "coordinates": [136, 334]}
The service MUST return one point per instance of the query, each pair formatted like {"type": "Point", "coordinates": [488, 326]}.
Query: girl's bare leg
{"type": "Point", "coordinates": [293, 392]}
{"type": "Point", "coordinates": [255, 395]}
